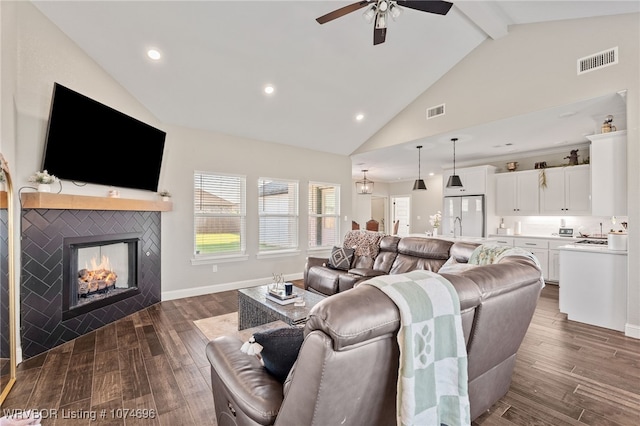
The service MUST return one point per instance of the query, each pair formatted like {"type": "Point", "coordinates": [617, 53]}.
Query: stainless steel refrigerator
{"type": "Point", "coordinates": [465, 215]}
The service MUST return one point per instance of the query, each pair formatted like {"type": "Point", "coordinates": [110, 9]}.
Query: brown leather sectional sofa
{"type": "Point", "coordinates": [396, 256]}
{"type": "Point", "coordinates": [347, 368]}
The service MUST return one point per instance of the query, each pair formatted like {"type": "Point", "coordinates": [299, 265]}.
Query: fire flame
{"type": "Point", "coordinates": [96, 277]}
{"type": "Point", "coordinates": [104, 263]}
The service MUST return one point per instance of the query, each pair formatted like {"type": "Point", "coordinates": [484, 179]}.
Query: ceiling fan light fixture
{"type": "Point", "coordinates": [395, 11]}
{"type": "Point", "coordinates": [364, 186]}
{"type": "Point", "coordinates": [369, 14]}
{"type": "Point", "coordinates": [419, 184]}
{"type": "Point", "coordinates": [454, 180]}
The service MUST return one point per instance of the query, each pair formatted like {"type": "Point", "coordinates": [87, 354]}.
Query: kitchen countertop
{"type": "Point", "coordinates": [592, 248]}
{"type": "Point", "coordinates": [455, 239]}
{"type": "Point", "coordinates": [542, 237]}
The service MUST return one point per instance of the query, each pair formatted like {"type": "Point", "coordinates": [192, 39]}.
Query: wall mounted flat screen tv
{"type": "Point", "coordinates": [92, 143]}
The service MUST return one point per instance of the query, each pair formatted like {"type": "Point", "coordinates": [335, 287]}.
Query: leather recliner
{"type": "Point", "coordinates": [347, 368]}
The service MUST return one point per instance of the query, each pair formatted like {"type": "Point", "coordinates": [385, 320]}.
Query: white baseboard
{"type": "Point", "coordinates": [632, 330]}
{"type": "Point", "coordinates": [217, 288]}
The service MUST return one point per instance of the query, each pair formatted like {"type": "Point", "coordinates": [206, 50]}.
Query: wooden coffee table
{"type": "Point", "coordinates": [255, 309]}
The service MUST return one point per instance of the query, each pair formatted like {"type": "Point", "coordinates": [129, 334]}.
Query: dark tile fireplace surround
{"type": "Point", "coordinates": [43, 325]}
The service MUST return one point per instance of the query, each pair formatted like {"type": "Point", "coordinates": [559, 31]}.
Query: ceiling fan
{"type": "Point", "coordinates": [379, 11]}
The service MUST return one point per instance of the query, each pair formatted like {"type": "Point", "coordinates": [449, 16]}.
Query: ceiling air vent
{"type": "Point", "coordinates": [435, 111]}
{"type": "Point", "coordinates": [598, 60]}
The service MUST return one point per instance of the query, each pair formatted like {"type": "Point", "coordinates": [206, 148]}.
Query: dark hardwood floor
{"type": "Point", "coordinates": [567, 373]}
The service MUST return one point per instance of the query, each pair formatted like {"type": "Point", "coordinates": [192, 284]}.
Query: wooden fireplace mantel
{"type": "Point", "coordinates": [44, 200]}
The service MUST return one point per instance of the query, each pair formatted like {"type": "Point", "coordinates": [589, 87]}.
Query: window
{"type": "Point", "coordinates": [278, 214]}
{"type": "Point", "coordinates": [324, 215]}
{"type": "Point", "coordinates": [219, 214]}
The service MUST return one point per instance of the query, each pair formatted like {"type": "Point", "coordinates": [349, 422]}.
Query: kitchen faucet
{"type": "Point", "coordinates": [457, 219]}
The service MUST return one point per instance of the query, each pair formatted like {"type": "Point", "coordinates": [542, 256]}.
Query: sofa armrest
{"type": "Point", "coordinates": [366, 272]}
{"type": "Point", "coordinates": [252, 390]}
{"type": "Point", "coordinates": [312, 261]}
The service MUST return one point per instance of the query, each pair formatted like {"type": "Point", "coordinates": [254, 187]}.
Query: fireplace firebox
{"type": "Point", "coordinates": [99, 270]}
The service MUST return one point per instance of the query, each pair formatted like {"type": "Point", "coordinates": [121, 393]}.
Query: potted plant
{"type": "Point", "coordinates": [44, 180]}
{"type": "Point", "coordinates": [434, 220]}
{"type": "Point", "coordinates": [166, 195]}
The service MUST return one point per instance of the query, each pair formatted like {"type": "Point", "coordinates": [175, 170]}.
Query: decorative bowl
{"type": "Point", "coordinates": [512, 166]}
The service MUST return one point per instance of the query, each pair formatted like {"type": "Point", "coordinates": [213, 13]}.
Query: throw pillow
{"type": "Point", "coordinates": [280, 349]}
{"type": "Point", "coordinates": [341, 258]}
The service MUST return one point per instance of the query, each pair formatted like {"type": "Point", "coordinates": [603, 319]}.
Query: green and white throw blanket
{"type": "Point", "coordinates": [487, 254]}
{"type": "Point", "coordinates": [432, 380]}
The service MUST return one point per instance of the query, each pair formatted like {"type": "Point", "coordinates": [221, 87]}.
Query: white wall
{"type": "Point", "coordinates": [534, 68]}
{"type": "Point", "coordinates": [189, 150]}
{"type": "Point", "coordinates": [423, 203]}
{"type": "Point", "coordinates": [46, 55]}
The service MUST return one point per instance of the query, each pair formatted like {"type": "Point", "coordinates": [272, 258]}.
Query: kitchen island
{"type": "Point", "coordinates": [593, 285]}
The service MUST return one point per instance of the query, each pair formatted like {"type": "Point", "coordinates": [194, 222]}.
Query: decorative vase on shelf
{"type": "Point", "coordinates": [44, 187]}
{"type": "Point", "coordinates": [435, 232]}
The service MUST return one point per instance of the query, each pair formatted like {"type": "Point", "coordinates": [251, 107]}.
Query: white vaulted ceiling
{"type": "Point", "coordinates": [219, 55]}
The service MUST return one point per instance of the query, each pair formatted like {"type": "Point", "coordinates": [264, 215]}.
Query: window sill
{"type": "Point", "coordinates": [316, 251]}
{"type": "Point", "coordinates": [218, 259]}
{"type": "Point", "coordinates": [279, 253]}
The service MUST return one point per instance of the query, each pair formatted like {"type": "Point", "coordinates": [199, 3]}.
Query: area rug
{"type": "Point", "coordinates": [227, 325]}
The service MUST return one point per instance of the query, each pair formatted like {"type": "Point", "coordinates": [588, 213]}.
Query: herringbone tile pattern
{"type": "Point", "coordinates": [43, 234]}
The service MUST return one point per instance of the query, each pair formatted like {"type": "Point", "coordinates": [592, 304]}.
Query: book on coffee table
{"type": "Point", "coordinates": [282, 301]}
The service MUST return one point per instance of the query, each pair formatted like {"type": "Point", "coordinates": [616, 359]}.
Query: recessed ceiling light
{"type": "Point", "coordinates": [269, 89]}
{"type": "Point", "coordinates": [431, 174]}
{"type": "Point", "coordinates": [154, 54]}
{"type": "Point", "coordinates": [360, 117]}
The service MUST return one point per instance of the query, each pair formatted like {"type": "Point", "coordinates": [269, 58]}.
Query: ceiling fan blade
{"type": "Point", "coordinates": [438, 7]}
{"type": "Point", "coordinates": [343, 11]}
{"type": "Point", "coordinates": [379, 35]}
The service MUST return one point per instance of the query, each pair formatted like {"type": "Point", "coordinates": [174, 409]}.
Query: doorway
{"type": "Point", "coordinates": [401, 211]}
{"type": "Point", "coordinates": [379, 212]}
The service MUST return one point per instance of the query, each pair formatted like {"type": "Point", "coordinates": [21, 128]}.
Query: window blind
{"type": "Point", "coordinates": [278, 214]}
{"type": "Point", "coordinates": [219, 214]}
{"type": "Point", "coordinates": [324, 215]}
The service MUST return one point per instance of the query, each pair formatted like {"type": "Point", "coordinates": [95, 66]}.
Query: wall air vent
{"type": "Point", "coordinates": [598, 60]}
{"type": "Point", "coordinates": [435, 111]}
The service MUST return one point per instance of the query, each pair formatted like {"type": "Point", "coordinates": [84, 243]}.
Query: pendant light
{"type": "Point", "coordinates": [419, 184]}
{"type": "Point", "coordinates": [454, 180]}
{"type": "Point", "coordinates": [364, 186]}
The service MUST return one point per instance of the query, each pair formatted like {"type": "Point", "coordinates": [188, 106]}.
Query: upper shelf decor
{"type": "Point", "coordinates": [44, 180]}
{"type": "Point", "coordinates": [41, 200]}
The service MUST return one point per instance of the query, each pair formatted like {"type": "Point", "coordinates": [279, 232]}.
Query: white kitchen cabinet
{"type": "Point", "coordinates": [568, 191]}
{"type": "Point", "coordinates": [609, 174]}
{"type": "Point", "coordinates": [474, 180]}
{"type": "Point", "coordinates": [517, 193]}
{"type": "Point", "coordinates": [593, 286]}
{"type": "Point", "coordinates": [554, 259]}
{"type": "Point", "coordinates": [539, 248]}
{"type": "Point", "coordinates": [502, 241]}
